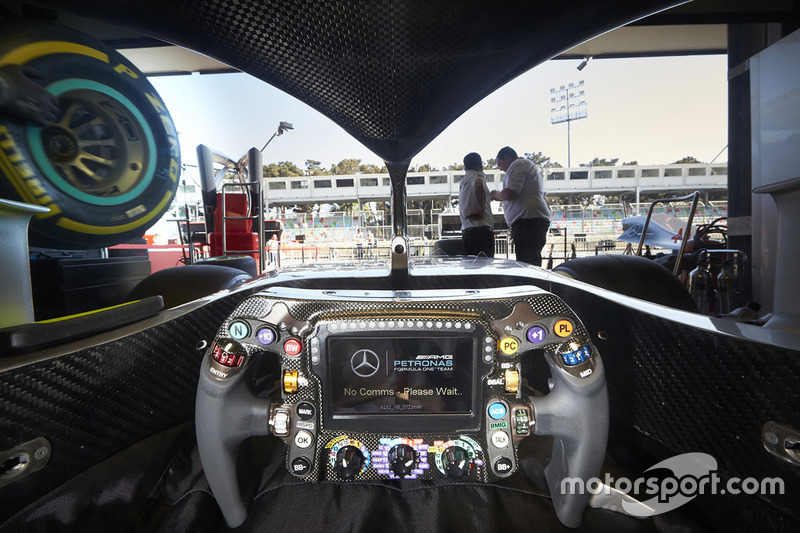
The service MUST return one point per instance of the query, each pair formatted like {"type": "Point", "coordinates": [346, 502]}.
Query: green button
{"type": "Point", "coordinates": [239, 329]}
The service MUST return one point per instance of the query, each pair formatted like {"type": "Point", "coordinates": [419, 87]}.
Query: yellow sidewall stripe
{"type": "Point", "coordinates": [110, 230]}
{"type": "Point", "coordinates": [29, 52]}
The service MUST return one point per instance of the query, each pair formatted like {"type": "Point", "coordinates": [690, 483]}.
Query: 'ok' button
{"type": "Point", "coordinates": [497, 410]}
{"type": "Point", "coordinates": [303, 439]}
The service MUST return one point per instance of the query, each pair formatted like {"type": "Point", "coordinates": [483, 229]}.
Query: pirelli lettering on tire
{"type": "Point", "coordinates": [22, 177]}
{"type": "Point", "coordinates": [108, 166]}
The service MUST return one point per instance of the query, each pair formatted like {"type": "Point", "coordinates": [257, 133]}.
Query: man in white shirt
{"type": "Point", "coordinates": [358, 239]}
{"type": "Point", "coordinates": [524, 205]}
{"type": "Point", "coordinates": [475, 209]}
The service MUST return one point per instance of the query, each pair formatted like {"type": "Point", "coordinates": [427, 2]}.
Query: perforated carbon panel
{"type": "Point", "coordinates": [96, 401]}
{"type": "Point", "coordinates": [679, 389]}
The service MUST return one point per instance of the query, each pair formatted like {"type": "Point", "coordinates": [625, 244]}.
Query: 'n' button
{"type": "Point", "coordinates": [239, 329]}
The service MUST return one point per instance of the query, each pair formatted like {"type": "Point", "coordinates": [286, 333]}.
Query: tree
{"type": "Point", "coordinates": [426, 168]}
{"type": "Point", "coordinates": [314, 168]}
{"type": "Point", "coordinates": [456, 166]}
{"type": "Point", "coordinates": [539, 159]}
{"type": "Point", "coordinates": [346, 166]}
{"type": "Point", "coordinates": [281, 169]}
{"type": "Point", "coordinates": [685, 160]}
{"type": "Point", "coordinates": [630, 163]}
{"type": "Point", "coordinates": [372, 169]}
{"type": "Point", "coordinates": [597, 162]}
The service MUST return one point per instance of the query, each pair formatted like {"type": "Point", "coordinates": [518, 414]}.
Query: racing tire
{"type": "Point", "coordinates": [108, 166]}
{"type": "Point", "coordinates": [630, 275]}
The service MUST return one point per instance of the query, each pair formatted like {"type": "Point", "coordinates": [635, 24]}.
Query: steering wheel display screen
{"type": "Point", "coordinates": [408, 375]}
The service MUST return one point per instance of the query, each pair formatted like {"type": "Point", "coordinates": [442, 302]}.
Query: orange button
{"type": "Point", "coordinates": [563, 328]}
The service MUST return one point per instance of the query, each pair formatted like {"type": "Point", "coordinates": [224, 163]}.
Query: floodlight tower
{"type": "Point", "coordinates": [568, 104]}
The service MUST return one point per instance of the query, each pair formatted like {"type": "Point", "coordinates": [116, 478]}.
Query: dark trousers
{"type": "Point", "coordinates": [478, 241]}
{"type": "Point", "coordinates": [530, 236]}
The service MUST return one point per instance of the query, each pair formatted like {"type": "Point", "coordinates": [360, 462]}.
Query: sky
{"type": "Point", "coordinates": [651, 110]}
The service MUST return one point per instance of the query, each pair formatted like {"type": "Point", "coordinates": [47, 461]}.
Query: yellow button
{"type": "Point", "coordinates": [563, 328]}
{"type": "Point", "coordinates": [509, 345]}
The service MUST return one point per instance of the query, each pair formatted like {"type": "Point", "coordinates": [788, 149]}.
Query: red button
{"type": "Point", "coordinates": [292, 347]}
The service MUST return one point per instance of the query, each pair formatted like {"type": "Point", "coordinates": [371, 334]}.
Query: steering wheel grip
{"type": "Point", "coordinates": [226, 413]}
{"type": "Point", "coordinates": [575, 413]}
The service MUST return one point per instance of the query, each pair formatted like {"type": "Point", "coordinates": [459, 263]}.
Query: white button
{"type": "Point", "coordinates": [487, 340]}
{"type": "Point", "coordinates": [467, 325]}
{"type": "Point", "coordinates": [372, 325]}
{"type": "Point", "coordinates": [438, 324]}
{"type": "Point", "coordinates": [448, 324]}
{"type": "Point", "coordinates": [488, 349]}
{"type": "Point", "coordinates": [304, 439]}
{"type": "Point", "coordinates": [428, 324]}
{"type": "Point", "coordinates": [499, 439]}
{"type": "Point", "coordinates": [458, 325]}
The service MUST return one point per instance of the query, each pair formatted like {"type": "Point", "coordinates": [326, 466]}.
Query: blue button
{"type": "Point", "coordinates": [239, 329]}
{"type": "Point", "coordinates": [497, 410]}
{"type": "Point", "coordinates": [266, 336]}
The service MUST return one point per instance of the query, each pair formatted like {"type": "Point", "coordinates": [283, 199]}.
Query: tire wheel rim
{"type": "Point", "coordinates": [96, 145]}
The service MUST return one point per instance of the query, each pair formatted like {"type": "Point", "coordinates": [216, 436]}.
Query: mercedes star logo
{"type": "Point", "coordinates": [365, 363]}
